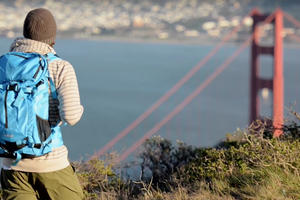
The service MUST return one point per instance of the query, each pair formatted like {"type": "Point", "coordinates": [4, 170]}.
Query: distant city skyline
{"type": "Point", "coordinates": [143, 19]}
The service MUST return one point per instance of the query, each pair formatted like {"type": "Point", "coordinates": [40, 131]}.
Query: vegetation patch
{"type": "Point", "coordinates": [249, 164]}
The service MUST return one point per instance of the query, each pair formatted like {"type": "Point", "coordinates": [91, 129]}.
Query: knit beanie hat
{"type": "Point", "coordinates": [40, 25]}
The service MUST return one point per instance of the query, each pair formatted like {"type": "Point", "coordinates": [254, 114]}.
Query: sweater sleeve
{"type": "Point", "coordinates": [70, 108]}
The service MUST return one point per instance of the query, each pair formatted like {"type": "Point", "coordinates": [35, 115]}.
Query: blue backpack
{"type": "Point", "coordinates": [25, 131]}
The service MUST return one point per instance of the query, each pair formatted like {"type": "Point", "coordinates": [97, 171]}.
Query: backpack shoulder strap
{"type": "Point", "coordinates": [50, 58]}
{"type": "Point", "coordinates": [52, 89]}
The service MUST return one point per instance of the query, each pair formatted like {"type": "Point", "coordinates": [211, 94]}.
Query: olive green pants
{"type": "Point", "coordinates": [59, 185]}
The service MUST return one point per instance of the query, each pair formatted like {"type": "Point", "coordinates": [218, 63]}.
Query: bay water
{"type": "Point", "coordinates": [120, 80]}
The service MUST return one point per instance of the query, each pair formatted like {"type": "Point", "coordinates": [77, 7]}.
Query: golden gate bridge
{"type": "Point", "coordinates": [275, 84]}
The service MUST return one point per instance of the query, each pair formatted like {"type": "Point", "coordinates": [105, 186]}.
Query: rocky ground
{"type": "Point", "coordinates": [164, 20]}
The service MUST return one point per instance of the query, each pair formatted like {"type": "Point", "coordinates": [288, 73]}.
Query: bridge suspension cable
{"type": "Point", "coordinates": [291, 19]}
{"type": "Point", "coordinates": [169, 93]}
{"type": "Point", "coordinates": [186, 101]}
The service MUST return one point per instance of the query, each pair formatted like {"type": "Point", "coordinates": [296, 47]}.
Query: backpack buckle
{"type": "Point", "coordinates": [13, 87]}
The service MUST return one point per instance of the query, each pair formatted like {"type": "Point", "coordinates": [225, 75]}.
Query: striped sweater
{"type": "Point", "coordinates": [67, 107]}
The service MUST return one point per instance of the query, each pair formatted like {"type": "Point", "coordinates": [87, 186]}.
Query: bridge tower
{"type": "Point", "coordinates": [276, 83]}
